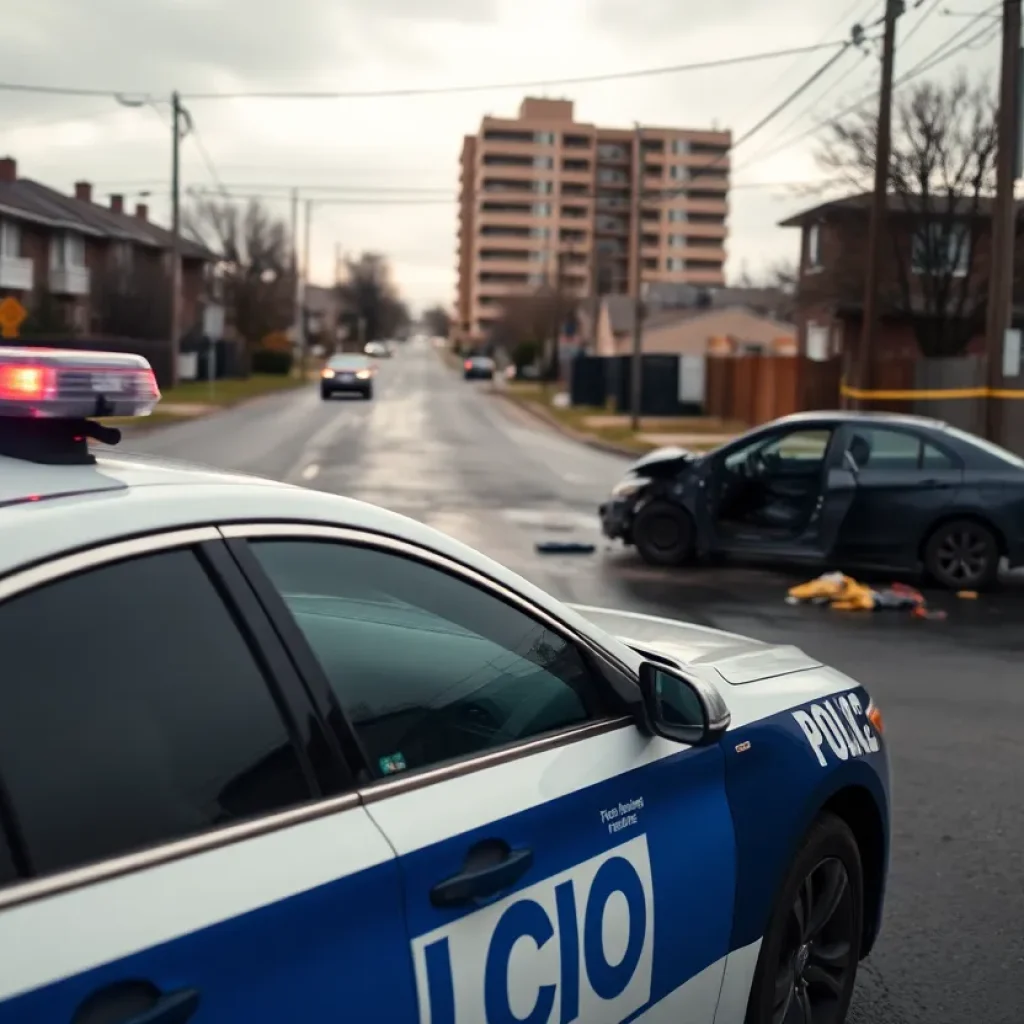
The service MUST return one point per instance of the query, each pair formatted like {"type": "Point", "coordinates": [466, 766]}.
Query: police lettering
{"type": "Point", "coordinates": [540, 957]}
{"type": "Point", "coordinates": [838, 724]}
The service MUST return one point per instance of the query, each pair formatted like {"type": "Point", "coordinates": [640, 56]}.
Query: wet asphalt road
{"type": "Point", "coordinates": [444, 451]}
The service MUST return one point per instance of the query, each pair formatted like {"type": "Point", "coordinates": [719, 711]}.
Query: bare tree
{"type": "Point", "coordinates": [437, 320]}
{"type": "Point", "coordinates": [255, 265]}
{"type": "Point", "coordinates": [371, 308]}
{"type": "Point", "coordinates": [942, 177]}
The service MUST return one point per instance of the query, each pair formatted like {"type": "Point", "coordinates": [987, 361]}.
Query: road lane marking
{"type": "Point", "coordinates": [310, 472]}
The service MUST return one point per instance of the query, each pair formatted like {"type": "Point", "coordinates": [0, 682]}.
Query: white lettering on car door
{"type": "Point", "coordinates": [576, 946]}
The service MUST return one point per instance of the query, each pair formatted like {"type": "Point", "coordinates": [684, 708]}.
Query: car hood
{"type": "Point", "coordinates": [663, 462]}
{"type": "Point", "coordinates": [731, 658]}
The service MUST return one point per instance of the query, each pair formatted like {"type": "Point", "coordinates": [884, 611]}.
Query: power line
{"type": "Point", "coordinates": [931, 60]}
{"type": "Point", "coordinates": [136, 98]}
{"type": "Point", "coordinates": [238, 193]}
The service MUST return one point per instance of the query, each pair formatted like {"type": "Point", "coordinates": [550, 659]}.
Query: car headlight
{"type": "Point", "coordinates": [628, 487]}
{"type": "Point", "coordinates": [364, 375]}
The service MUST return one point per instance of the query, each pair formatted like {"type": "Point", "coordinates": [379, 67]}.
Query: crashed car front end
{"type": "Point", "coordinates": [644, 478]}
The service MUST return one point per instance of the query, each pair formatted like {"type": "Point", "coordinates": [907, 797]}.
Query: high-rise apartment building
{"type": "Point", "coordinates": [545, 199]}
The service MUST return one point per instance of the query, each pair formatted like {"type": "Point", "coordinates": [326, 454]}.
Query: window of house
{"type": "Point", "coordinates": [674, 263]}
{"type": "Point", "coordinates": [541, 209]}
{"type": "Point", "coordinates": [677, 241]}
{"type": "Point", "coordinates": [941, 249]}
{"type": "Point", "coordinates": [680, 147]}
{"type": "Point", "coordinates": [546, 162]}
{"type": "Point", "coordinates": [544, 187]}
{"type": "Point", "coordinates": [677, 173]}
{"type": "Point", "coordinates": [67, 249]}
{"type": "Point", "coordinates": [114, 739]}
{"type": "Point", "coordinates": [10, 239]}
{"type": "Point", "coordinates": [427, 666]}
{"type": "Point", "coordinates": [540, 232]}
{"type": "Point", "coordinates": [813, 247]}
{"type": "Point", "coordinates": [544, 139]}
{"type": "Point", "coordinates": [677, 216]}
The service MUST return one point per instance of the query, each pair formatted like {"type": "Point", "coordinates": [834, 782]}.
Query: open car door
{"type": "Point", "coordinates": [785, 495]}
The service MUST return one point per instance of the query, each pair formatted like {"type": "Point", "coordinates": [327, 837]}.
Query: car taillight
{"type": "Point", "coordinates": [468, 364]}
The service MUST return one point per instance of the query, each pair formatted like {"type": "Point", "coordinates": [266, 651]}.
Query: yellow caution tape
{"type": "Point", "coordinates": [866, 395]}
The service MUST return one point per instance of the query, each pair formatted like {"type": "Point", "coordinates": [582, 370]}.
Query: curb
{"type": "Point", "coordinates": [540, 413]}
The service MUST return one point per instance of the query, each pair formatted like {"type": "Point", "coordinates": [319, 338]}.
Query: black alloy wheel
{"type": "Point", "coordinates": [663, 534]}
{"type": "Point", "coordinates": [962, 555]}
{"type": "Point", "coordinates": [808, 962]}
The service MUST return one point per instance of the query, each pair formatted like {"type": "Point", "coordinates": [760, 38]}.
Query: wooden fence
{"type": "Point", "coordinates": [755, 389]}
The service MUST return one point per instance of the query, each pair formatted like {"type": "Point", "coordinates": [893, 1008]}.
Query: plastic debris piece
{"type": "Point", "coordinates": [967, 595]}
{"type": "Point", "coordinates": [563, 547]}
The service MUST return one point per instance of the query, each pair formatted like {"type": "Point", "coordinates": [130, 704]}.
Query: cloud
{"type": "Point", "coordinates": [202, 46]}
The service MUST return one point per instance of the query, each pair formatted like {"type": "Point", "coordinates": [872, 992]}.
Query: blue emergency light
{"type": "Point", "coordinates": [50, 400]}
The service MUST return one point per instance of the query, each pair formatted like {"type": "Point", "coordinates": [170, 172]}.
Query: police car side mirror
{"type": "Point", "coordinates": [680, 709]}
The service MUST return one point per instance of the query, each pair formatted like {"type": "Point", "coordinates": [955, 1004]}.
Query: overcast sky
{"type": "Point", "coordinates": [222, 46]}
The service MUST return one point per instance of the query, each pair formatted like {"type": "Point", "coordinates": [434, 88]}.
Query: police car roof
{"type": "Point", "coordinates": [23, 481]}
{"type": "Point", "coordinates": [48, 510]}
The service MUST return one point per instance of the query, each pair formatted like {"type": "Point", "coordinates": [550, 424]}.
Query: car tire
{"type": "Point", "coordinates": [367, 395]}
{"type": "Point", "coordinates": [962, 554]}
{"type": "Point", "coordinates": [813, 956]}
{"type": "Point", "coordinates": [663, 534]}
{"type": "Point", "coordinates": [325, 395]}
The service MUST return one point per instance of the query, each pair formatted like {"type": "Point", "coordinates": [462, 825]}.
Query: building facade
{"type": "Point", "coordinates": [546, 200]}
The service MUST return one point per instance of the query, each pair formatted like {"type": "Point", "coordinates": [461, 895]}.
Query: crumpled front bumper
{"type": "Point", "coordinates": [616, 520]}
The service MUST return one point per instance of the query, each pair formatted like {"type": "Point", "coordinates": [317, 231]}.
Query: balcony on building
{"type": "Point", "coordinates": [16, 273]}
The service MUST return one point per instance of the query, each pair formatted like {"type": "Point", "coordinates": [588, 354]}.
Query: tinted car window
{"type": "Point", "coordinates": [933, 458]}
{"type": "Point", "coordinates": [880, 448]}
{"type": "Point", "coordinates": [133, 712]}
{"type": "Point", "coordinates": [427, 666]}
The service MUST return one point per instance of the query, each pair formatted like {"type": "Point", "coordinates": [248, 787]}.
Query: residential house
{"type": "Point", "coordinates": [80, 268]}
{"type": "Point", "coordinates": [695, 330]}
{"type": "Point", "coordinates": [933, 276]}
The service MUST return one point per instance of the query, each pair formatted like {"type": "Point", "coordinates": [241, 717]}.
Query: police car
{"type": "Point", "coordinates": [268, 754]}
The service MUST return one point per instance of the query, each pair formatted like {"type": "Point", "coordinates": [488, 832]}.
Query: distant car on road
{"type": "Point", "coordinates": [876, 490]}
{"type": "Point", "coordinates": [347, 374]}
{"type": "Point", "coordinates": [478, 368]}
{"type": "Point", "coordinates": [348, 768]}
{"type": "Point", "coordinates": [378, 349]}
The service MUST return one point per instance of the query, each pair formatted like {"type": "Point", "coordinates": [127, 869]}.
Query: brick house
{"type": "Point", "coordinates": [82, 268]}
{"type": "Point", "coordinates": [934, 276]}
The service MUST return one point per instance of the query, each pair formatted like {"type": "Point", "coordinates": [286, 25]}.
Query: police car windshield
{"type": "Point", "coordinates": [350, 362]}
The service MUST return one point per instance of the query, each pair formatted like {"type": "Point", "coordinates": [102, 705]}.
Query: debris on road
{"type": "Point", "coordinates": [564, 547]}
{"type": "Point", "coordinates": [844, 593]}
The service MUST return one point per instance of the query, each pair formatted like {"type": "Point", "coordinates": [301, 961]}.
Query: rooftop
{"type": "Point", "coordinates": [860, 203]}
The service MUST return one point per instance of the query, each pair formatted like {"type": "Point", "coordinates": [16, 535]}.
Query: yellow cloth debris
{"type": "Point", "coordinates": [837, 590]}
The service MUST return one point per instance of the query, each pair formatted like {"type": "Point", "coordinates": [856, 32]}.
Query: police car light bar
{"type": "Point", "coordinates": [62, 384]}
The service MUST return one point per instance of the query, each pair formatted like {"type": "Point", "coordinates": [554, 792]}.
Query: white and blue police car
{"type": "Point", "coordinates": [272, 755]}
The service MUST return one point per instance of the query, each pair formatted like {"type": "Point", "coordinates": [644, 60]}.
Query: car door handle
{"type": "Point", "coordinates": [490, 868]}
{"type": "Point", "coordinates": [120, 1004]}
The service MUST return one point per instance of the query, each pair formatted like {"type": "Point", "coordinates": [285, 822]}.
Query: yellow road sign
{"type": "Point", "coordinates": [12, 314]}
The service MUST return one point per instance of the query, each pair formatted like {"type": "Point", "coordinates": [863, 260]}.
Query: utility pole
{"type": "Point", "coordinates": [303, 340]}
{"type": "Point", "coordinates": [1004, 213]}
{"type": "Point", "coordinates": [879, 201]}
{"type": "Point", "coordinates": [556, 326]}
{"type": "Point", "coordinates": [296, 279]}
{"type": "Point", "coordinates": [637, 365]}
{"type": "Point", "coordinates": [175, 326]}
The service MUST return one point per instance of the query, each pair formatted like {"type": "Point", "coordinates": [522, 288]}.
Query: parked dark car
{"type": "Point", "coordinates": [347, 374]}
{"type": "Point", "coordinates": [478, 368]}
{"type": "Point", "coordinates": [871, 490]}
